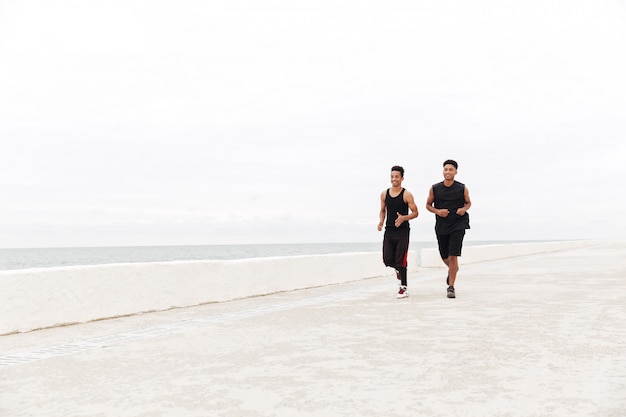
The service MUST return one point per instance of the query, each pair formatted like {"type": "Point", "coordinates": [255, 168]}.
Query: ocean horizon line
{"type": "Point", "coordinates": [167, 245]}
{"type": "Point", "coordinates": [48, 257]}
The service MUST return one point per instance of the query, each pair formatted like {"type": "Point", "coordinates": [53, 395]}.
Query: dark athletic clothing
{"type": "Point", "coordinates": [450, 230]}
{"type": "Point", "coordinates": [396, 239]}
{"type": "Point", "coordinates": [396, 249]}
{"type": "Point", "coordinates": [396, 205]}
{"type": "Point", "coordinates": [451, 198]}
{"type": "Point", "coordinates": [450, 245]}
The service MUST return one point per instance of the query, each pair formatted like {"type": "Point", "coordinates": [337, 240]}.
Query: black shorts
{"type": "Point", "coordinates": [396, 249]}
{"type": "Point", "coordinates": [451, 245]}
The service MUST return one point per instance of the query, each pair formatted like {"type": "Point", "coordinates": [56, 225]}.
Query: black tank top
{"type": "Point", "coordinates": [396, 205]}
{"type": "Point", "coordinates": [451, 198]}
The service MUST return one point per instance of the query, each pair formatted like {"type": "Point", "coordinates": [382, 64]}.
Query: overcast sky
{"type": "Point", "coordinates": [253, 121]}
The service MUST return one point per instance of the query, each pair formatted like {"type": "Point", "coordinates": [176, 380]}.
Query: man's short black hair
{"type": "Point", "coordinates": [451, 162]}
{"type": "Point", "coordinates": [399, 169]}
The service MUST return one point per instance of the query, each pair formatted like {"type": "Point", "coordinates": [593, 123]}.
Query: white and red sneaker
{"type": "Point", "coordinates": [402, 293]}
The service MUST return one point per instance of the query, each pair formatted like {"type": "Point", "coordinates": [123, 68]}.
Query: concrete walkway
{"type": "Point", "coordinates": [539, 335]}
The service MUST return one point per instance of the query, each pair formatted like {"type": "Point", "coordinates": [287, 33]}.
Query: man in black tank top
{"type": "Point", "coordinates": [395, 203]}
{"type": "Point", "coordinates": [449, 200]}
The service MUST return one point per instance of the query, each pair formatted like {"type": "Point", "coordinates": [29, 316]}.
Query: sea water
{"type": "Point", "coordinates": [11, 259]}
{"type": "Point", "coordinates": [52, 257]}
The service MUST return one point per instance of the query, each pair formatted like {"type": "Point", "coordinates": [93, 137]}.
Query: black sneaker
{"type": "Point", "coordinates": [451, 292]}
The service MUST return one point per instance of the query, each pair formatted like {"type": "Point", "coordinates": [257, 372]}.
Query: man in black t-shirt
{"type": "Point", "coordinates": [450, 200]}
{"type": "Point", "coordinates": [395, 203]}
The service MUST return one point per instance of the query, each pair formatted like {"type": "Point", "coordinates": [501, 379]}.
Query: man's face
{"type": "Point", "coordinates": [449, 172]}
{"type": "Point", "coordinates": [396, 178]}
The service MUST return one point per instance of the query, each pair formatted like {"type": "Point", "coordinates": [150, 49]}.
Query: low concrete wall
{"type": "Point", "coordinates": [46, 297]}
{"type": "Point", "coordinates": [430, 257]}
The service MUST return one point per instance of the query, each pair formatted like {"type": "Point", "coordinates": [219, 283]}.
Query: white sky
{"type": "Point", "coordinates": [252, 121]}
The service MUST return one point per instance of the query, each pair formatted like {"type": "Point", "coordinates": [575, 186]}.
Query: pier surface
{"type": "Point", "coordinates": [535, 335]}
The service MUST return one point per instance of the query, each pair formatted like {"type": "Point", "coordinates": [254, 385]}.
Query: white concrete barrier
{"type": "Point", "coordinates": [45, 297]}
{"type": "Point", "coordinates": [430, 257]}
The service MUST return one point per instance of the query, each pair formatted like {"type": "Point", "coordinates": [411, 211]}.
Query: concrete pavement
{"type": "Point", "coordinates": [537, 335]}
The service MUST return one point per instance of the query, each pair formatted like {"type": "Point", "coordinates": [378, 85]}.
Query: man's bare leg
{"type": "Point", "coordinates": [453, 267]}
{"type": "Point", "coordinates": [452, 262]}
